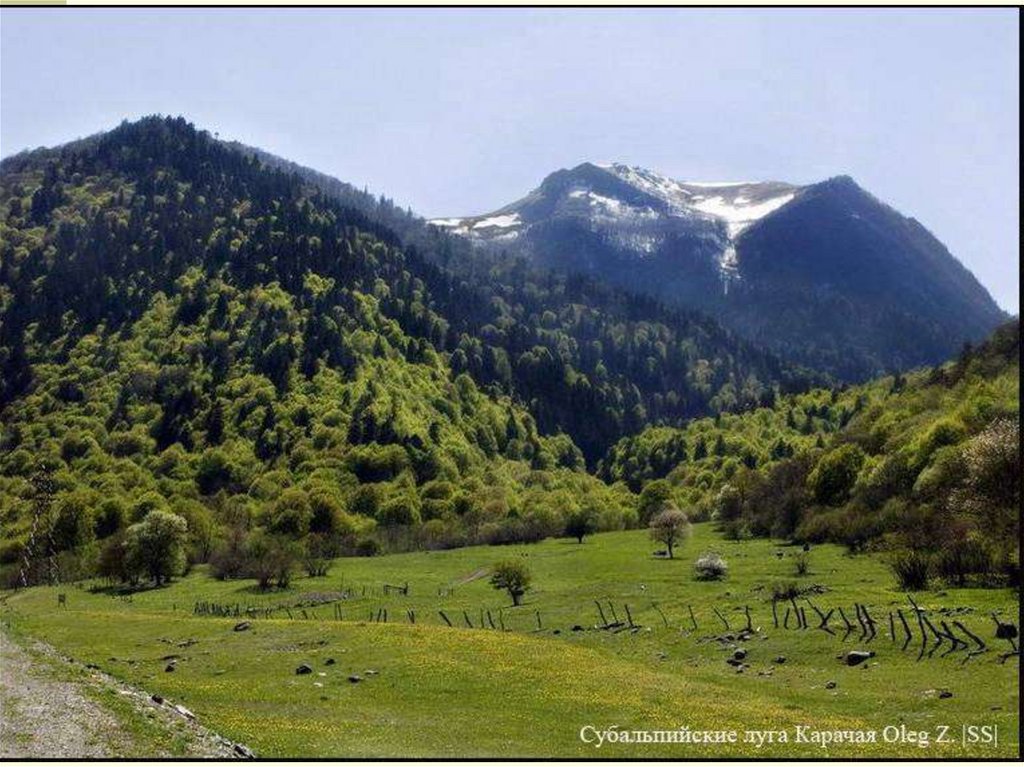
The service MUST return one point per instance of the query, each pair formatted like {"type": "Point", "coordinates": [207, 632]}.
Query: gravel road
{"type": "Point", "coordinates": [48, 710]}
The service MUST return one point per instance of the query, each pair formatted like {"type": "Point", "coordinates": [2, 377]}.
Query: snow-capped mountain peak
{"type": "Point", "coordinates": [636, 210]}
{"type": "Point", "coordinates": [785, 265]}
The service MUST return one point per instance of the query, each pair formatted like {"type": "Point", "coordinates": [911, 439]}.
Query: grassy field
{"type": "Point", "coordinates": [528, 691]}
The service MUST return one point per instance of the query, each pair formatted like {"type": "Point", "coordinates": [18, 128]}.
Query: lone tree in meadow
{"type": "Point", "coordinates": [670, 527]}
{"type": "Point", "coordinates": [513, 577]}
{"type": "Point", "coordinates": [579, 525]}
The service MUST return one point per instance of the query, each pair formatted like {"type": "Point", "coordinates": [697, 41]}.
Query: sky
{"type": "Point", "coordinates": [455, 112]}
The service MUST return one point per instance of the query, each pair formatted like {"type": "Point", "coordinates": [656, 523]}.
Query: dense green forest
{"type": "Point", "coordinates": [187, 328]}
{"type": "Point", "coordinates": [589, 359]}
{"type": "Point", "coordinates": [296, 369]}
{"type": "Point", "coordinates": [926, 465]}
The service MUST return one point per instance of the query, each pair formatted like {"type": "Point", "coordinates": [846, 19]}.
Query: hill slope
{"type": "Point", "coordinates": [184, 329]}
{"type": "Point", "coordinates": [587, 360]}
{"type": "Point", "coordinates": [929, 462]}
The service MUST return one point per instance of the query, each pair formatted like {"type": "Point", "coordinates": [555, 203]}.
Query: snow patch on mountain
{"type": "Point", "coordinates": [739, 212]}
{"type": "Point", "coordinates": [499, 222]}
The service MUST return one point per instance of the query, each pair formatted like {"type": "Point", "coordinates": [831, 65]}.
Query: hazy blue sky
{"type": "Point", "coordinates": [460, 111]}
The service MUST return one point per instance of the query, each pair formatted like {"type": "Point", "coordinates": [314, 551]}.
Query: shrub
{"type": "Point", "coordinates": [317, 555]}
{"type": "Point", "coordinates": [801, 563]}
{"type": "Point", "coordinates": [710, 567]}
{"type": "Point", "coordinates": [542, 522]}
{"type": "Point", "coordinates": [228, 559]}
{"type": "Point", "coordinates": [911, 569]}
{"type": "Point", "coordinates": [367, 547]}
{"type": "Point", "coordinates": [270, 559]}
{"type": "Point", "coordinates": [111, 563]}
{"type": "Point", "coordinates": [962, 558]}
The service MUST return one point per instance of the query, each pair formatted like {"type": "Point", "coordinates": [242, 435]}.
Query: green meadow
{"type": "Point", "coordinates": [530, 689]}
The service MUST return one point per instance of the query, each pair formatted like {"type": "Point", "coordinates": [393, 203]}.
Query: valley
{"type": "Point", "coordinates": [456, 691]}
{"type": "Point", "coordinates": [288, 456]}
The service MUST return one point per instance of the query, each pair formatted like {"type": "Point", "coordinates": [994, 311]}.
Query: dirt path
{"type": "Point", "coordinates": [50, 708]}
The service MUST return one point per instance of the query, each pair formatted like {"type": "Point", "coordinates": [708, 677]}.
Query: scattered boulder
{"type": "Point", "coordinates": [92, 666]}
{"type": "Point", "coordinates": [734, 662]}
{"type": "Point", "coordinates": [371, 672]}
{"type": "Point", "coordinates": [355, 679]}
{"type": "Point", "coordinates": [577, 627]}
{"type": "Point", "coordinates": [739, 654]}
{"type": "Point", "coordinates": [856, 657]}
{"type": "Point", "coordinates": [945, 694]}
{"type": "Point", "coordinates": [330, 662]}
{"type": "Point", "coordinates": [243, 626]}
{"type": "Point", "coordinates": [172, 666]}
{"type": "Point", "coordinates": [158, 699]}
{"type": "Point", "coordinates": [184, 712]}
{"type": "Point", "coordinates": [304, 668]}
{"type": "Point", "coordinates": [781, 659]}
{"type": "Point", "coordinates": [244, 751]}
{"type": "Point", "coordinates": [830, 685]}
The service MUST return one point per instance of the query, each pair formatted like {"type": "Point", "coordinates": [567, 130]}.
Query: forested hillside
{"type": "Point", "coordinates": [184, 328]}
{"type": "Point", "coordinates": [186, 331]}
{"type": "Point", "coordinates": [592, 360]}
{"type": "Point", "coordinates": [289, 364]}
{"type": "Point", "coordinates": [928, 463]}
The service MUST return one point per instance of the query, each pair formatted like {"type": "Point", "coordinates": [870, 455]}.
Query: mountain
{"type": "Point", "coordinates": [825, 274]}
{"type": "Point", "coordinates": [185, 326]}
{"type": "Point", "coordinates": [589, 359]}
